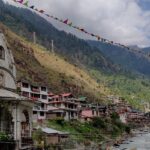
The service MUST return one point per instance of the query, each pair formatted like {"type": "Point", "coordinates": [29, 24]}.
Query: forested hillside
{"type": "Point", "coordinates": [130, 60]}
{"type": "Point", "coordinates": [76, 66]}
{"type": "Point", "coordinates": [77, 51]}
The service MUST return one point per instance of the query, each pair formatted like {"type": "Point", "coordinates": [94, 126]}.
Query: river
{"type": "Point", "coordinates": [140, 142]}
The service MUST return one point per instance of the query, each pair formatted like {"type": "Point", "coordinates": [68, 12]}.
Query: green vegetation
{"type": "Point", "coordinates": [4, 137]}
{"type": "Point", "coordinates": [98, 130]}
{"type": "Point", "coordinates": [39, 138]}
{"type": "Point", "coordinates": [133, 89]}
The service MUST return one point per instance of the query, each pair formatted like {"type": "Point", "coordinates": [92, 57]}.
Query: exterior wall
{"type": "Point", "coordinates": [26, 89]}
{"type": "Point", "coordinates": [67, 116]}
{"type": "Point", "coordinates": [7, 67]}
{"type": "Point", "coordinates": [51, 116]}
{"type": "Point", "coordinates": [52, 139]}
{"type": "Point", "coordinates": [18, 117]}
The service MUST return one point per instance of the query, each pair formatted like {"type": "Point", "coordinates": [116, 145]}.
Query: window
{"type": "Point", "coordinates": [92, 112]}
{"type": "Point", "coordinates": [25, 85]}
{"type": "Point", "coordinates": [34, 112]}
{"type": "Point", "coordinates": [43, 89]}
{"type": "Point", "coordinates": [44, 96]}
{"type": "Point", "coordinates": [41, 113]}
{"type": "Point", "coordinates": [25, 94]}
{"type": "Point", "coordinates": [2, 53]}
{"type": "Point", "coordinates": [42, 105]}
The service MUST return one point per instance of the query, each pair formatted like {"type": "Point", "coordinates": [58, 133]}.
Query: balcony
{"type": "Point", "coordinates": [39, 108]}
{"type": "Point", "coordinates": [35, 90]}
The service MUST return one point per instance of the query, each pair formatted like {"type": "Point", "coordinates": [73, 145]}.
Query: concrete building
{"type": "Point", "coordinates": [54, 136]}
{"type": "Point", "coordinates": [62, 106]}
{"type": "Point", "coordinates": [15, 111]}
{"type": "Point", "coordinates": [39, 95]}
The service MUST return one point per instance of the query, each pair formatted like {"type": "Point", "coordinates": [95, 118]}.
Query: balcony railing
{"type": "Point", "coordinates": [35, 90]}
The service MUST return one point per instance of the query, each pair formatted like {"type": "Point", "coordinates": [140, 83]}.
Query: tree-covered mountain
{"type": "Point", "coordinates": [101, 73]}
{"type": "Point", "coordinates": [131, 60]}
{"type": "Point", "coordinates": [77, 51]}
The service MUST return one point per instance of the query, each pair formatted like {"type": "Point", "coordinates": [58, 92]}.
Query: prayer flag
{"type": "Point", "coordinates": [32, 7]}
{"type": "Point", "coordinates": [66, 21]}
{"type": "Point", "coordinates": [26, 4]}
{"type": "Point", "coordinates": [21, 1]}
{"type": "Point", "coordinates": [41, 11]}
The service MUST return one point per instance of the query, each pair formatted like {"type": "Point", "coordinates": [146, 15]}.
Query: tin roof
{"type": "Point", "coordinates": [52, 131]}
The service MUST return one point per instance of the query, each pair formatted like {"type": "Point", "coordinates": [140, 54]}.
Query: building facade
{"type": "Point", "coordinates": [15, 111]}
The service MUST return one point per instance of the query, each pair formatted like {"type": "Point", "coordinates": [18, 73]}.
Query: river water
{"type": "Point", "coordinates": [140, 142]}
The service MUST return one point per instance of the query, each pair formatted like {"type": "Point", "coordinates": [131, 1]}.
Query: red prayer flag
{"type": "Point", "coordinates": [21, 1]}
{"type": "Point", "coordinates": [66, 21]}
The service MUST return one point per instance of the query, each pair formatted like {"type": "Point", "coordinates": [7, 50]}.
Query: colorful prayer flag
{"type": "Point", "coordinates": [70, 24]}
{"type": "Point", "coordinates": [26, 3]}
{"type": "Point", "coordinates": [32, 7]}
{"type": "Point", "coordinates": [21, 1]}
{"type": "Point", "coordinates": [66, 21]}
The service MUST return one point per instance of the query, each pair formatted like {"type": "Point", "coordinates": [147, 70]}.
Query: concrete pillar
{"type": "Point", "coordinates": [17, 125]}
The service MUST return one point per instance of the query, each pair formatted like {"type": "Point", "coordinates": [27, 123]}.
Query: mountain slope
{"type": "Point", "coordinates": [35, 64]}
{"type": "Point", "coordinates": [77, 51]}
{"type": "Point", "coordinates": [130, 60]}
{"type": "Point", "coordinates": [146, 50]}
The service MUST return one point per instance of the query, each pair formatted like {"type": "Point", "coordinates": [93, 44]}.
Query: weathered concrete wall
{"type": "Point", "coordinates": [7, 66]}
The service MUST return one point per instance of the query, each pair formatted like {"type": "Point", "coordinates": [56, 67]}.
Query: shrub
{"type": "Point", "coordinates": [98, 122]}
{"type": "Point", "coordinates": [60, 121]}
{"type": "Point", "coordinates": [4, 137]}
{"type": "Point", "coordinates": [127, 129]}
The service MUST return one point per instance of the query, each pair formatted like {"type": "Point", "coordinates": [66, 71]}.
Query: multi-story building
{"type": "Point", "coordinates": [15, 110]}
{"type": "Point", "coordinates": [63, 106]}
{"type": "Point", "coordinates": [39, 95]}
{"type": "Point", "coordinates": [48, 105]}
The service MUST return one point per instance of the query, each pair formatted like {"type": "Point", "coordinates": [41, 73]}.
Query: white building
{"type": "Point", "coordinates": [15, 111]}
{"type": "Point", "coordinates": [39, 95]}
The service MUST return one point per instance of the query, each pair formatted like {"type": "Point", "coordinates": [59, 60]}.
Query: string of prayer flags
{"type": "Point", "coordinates": [70, 24]}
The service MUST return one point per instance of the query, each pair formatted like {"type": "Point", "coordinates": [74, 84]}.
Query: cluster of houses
{"type": "Point", "coordinates": [35, 103]}
{"type": "Point", "coordinates": [49, 106]}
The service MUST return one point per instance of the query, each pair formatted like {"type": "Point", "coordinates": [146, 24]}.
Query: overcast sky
{"type": "Point", "coordinates": [124, 21]}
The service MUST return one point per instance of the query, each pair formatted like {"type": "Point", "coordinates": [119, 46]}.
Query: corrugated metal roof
{"type": "Point", "coordinates": [51, 131]}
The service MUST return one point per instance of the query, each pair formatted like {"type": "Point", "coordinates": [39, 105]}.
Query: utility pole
{"type": "Point", "coordinates": [52, 46]}
{"type": "Point", "coordinates": [34, 37]}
